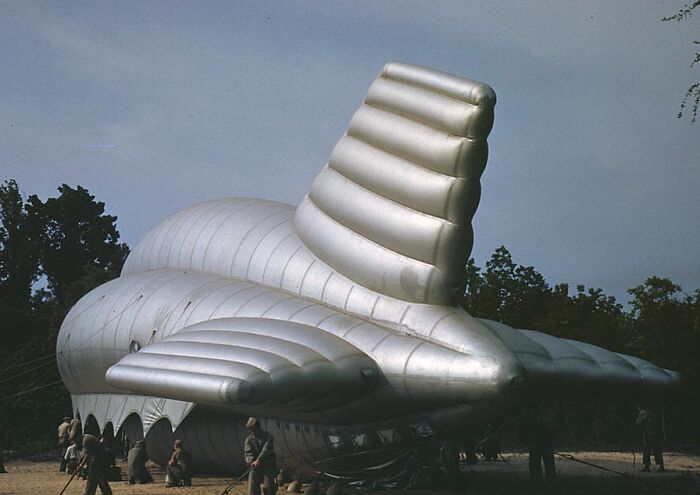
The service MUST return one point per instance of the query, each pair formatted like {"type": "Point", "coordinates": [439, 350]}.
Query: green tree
{"type": "Point", "coordinates": [71, 243]}
{"type": "Point", "coordinates": [664, 326]}
{"type": "Point", "coordinates": [20, 236]}
{"type": "Point", "coordinates": [513, 294]}
{"type": "Point", "coordinates": [80, 241]}
{"type": "Point", "coordinates": [589, 315]}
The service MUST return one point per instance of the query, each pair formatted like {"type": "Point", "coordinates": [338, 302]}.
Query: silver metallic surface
{"type": "Point", "coordinates": [335, 315]}
{"type": "Point", "coordinates": [392, 209]}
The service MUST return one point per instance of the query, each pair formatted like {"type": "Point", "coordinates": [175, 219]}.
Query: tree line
{"type": "Point", "coordinates": [661, 324]}
{"type": "Point", "coordinates": [52, 252]}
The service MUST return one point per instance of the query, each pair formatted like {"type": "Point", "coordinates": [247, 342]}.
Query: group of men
{"type": "Point", "coordinates": [89, 455]}
{"type": "Point", "coordinates": [70, 438]}
{"type": "Point", "coordinates": [260, 456]}
{"type": "Point", "coordinates": [94, 460]}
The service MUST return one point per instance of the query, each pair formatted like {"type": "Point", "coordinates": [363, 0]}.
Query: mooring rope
{"type": "Point", "coordinates": [597, 466]}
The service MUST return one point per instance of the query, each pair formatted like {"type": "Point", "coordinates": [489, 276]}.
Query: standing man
{"type": "Point", "coordinates": [98, 466]}
{"type": "Point", "coordinates": [76, 430]}
{"type": "Point", "coordinates": [534, 425]}
{"type": "Point", "coordinates": [63, 436]}
{"type": "Point", "coordinates": [260, 456]}
{"type": "Point", "coordinates": [651, 438]}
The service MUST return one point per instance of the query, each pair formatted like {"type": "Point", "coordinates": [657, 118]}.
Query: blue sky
{"type": "Point", "coordinates": [154, 106]}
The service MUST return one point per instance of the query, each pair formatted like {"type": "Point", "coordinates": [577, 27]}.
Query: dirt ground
{"type": "Point", "coordinates": [505, 477]}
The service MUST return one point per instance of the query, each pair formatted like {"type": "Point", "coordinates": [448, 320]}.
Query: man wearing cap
{"type": "Point", "coordinates": [651, 437]}
{"type": "Point", "coordinates": [260, 456]}
{"type": "Point", "coordinates": [179, 467]}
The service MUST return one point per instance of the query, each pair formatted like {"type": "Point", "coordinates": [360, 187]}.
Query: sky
{"type": "Point", "coordinates": [154, 106]}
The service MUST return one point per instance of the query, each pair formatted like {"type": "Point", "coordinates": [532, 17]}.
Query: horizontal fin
{"type": "Point", "coordinates": [248, 362]}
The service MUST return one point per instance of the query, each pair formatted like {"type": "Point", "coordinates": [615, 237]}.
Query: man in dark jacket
{"type": "Point", "coordinates": [260, 456]}
{"type": "Point", "coordinates": [136, 464]}
{"type": "Point", "coordinates": [97, 460]}
{"type": "Point", "coordinates": [179, 467]}
{"type": "Point", "coordinates": [651, 438]}
{"type": "Point", "coordinates": [534, 424]}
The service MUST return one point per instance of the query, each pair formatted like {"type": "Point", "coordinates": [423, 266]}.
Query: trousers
{"type": "Point", "coordinates": [264, 475]}
{"type": "Point", "coordinates": [651, 444]}
{"type": "Point", "coordinates": [542, 454]}
{"type": "Point", "coordinates": [94, 482]}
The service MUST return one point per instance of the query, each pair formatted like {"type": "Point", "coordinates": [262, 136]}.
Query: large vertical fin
{"type": "Point", "coordinates": [392, 209]}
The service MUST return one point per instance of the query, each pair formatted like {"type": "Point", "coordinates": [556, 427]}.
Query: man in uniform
{"type": "Point", "coordinates": [76, 430]}
{"type": "Point", "coordinates": [63, 436]}
{"type": "Point", "coordinates": [651, 438]}
{"type": "Point", "coordinates": [534, 425]}
{"type": "Point", "coordinates": [179, 467]}
{"type": "Point", "coordinates": [136, 464]}
{"type": "Point", "coordinates": [72, 458]}
{"type": "Point", "coordinates": [98, 466]}
{"type": "Point", "coordinates": [260, 456]}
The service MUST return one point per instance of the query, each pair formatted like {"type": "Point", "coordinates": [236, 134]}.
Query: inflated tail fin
{"type": "Point", "coordinates": [392, 209]}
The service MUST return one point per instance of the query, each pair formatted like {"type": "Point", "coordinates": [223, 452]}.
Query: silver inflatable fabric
{"type": "Point", "coordinates": [336, 313]}
{"type": "Point", "coordinates": [392, 209]}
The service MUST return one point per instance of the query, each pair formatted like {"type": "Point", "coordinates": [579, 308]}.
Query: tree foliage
{"type": "Point", "coordinates": [20, 233]}
{"type": "Point", "coordinates": [661, 324]}
{"type": "Point", "coordinates": [51, 254]}
{"type": "Point", "coordinates": [692, 94]}
{"type": "Point", "coordinates": [78, 239]}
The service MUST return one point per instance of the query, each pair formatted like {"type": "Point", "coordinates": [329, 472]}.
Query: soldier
{"type": "Point", "coordinates": [71, 457]}
{"type": "Point", "coordinates": [98, 466]}
{"type": "Point", "coordinates": [63, 436]}
{"type": "Point", "coordinates": [2, 463]}
{"type": "Point", "coordinates": [179, 467]}
{"type": "Point", "coordinates": [534, 427]}
{"type": "Point", "coordinates": [540, 450]}
{"type": "Point", "coordinates": [260, 456]}
{"type": "Point", "coordinates": [651, 438]}
{"type": "Point", "coordinates": [76, 430]}
{"type": "Point", "coordinates": [136, 464]}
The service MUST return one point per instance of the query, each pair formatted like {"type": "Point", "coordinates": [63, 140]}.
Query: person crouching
{"type": "Point", "coordinates": [71, 458]}
{"type": "Point", "coordinates": [136, 464]}
{"type": "Point", "coordinates": [179, 467]}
